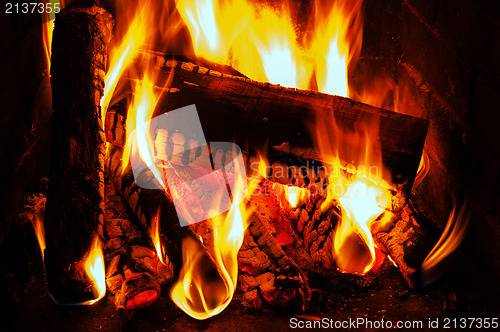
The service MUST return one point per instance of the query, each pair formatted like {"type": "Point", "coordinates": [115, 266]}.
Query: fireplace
{"type": "Point", "coordinates": [431, 63]}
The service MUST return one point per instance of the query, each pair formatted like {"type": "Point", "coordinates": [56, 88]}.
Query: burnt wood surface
{"type": "Point", "coordinates": [259, 115]}
{"type": "Point", "coordinates": [75, 198]}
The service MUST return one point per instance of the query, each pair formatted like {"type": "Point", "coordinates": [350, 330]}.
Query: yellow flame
{"type": "Point", "coordinates": [359, 187]}
{"type": "Point", "coordinates": [295, 195]}
{"type": "Point", "coordinates": [37, 223]}
{"type": "Point", "coordinates": [261, 41]}
{"type": "Point", "coordinates": [124, 53]}
{"type": "Point", "coordinates": [154, 232]}
{"type": "Point", "coordinates": [48, 27]}
{"type": "Point", "coordinates": [361, 206]}
{"type": "Point", "coordinates": [94, 267]}
{"type": "Point", "coordinates": [139, 113]}
{"type": "Point", "coordinates": [197, 294]}
{"type": "Point", "coordinates": [452, 237]}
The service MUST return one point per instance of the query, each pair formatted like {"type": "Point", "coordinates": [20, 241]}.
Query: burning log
{"type": "Point", "coordinates": [134, 271]}
{"type": "Point", "coordinates": [75, 198]}
{"type": "Point", "coordinates": [266, 271]}
{"type": "Point", "coordinates": [407, 239]}
{"type": "Point", "coordinates": [151, 206]}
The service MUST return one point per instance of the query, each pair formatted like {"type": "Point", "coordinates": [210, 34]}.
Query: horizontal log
{"type": "Point", "coordinates": [255, 114]}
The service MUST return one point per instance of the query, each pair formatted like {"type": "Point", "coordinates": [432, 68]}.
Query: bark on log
{"type": "Point", "coordinates": [254, 114]}
{"type": "Point", "coordinates": [75, 196]}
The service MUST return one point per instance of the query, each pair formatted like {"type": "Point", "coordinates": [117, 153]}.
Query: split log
{"type": "Point", "coordinates": [75, 198]}
{"type": "Point", "coordinates": [408, 239]}
{"type": "Point", "coordinates": [134, 272]}
{"type": "Point", "coordinates": [266, 271]}
{"type": "Point", "coordinates": [262, 113]}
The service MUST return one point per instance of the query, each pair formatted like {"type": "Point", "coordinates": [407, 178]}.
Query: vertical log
{"type": "Point", "coordinates": [75, 198]}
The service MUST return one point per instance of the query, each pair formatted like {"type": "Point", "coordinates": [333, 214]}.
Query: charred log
{"type": "Point", "coordinates": [262, 113]}
{"type": "Point", "coordinates": [75, 198]}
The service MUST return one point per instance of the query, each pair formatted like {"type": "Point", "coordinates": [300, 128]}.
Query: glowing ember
{"type": "Point", "coordinates": [294, 195]}
{"type": "Point", "coordinates": [198, 294]}
{"type": "Point", "coordinates": [361, 205]}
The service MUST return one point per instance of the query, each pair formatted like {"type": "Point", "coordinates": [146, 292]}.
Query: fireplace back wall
{"type": "Point", "coordinates": [438, 59]}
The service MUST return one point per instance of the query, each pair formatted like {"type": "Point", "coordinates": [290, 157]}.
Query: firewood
{"type": "Point", "coordinates": [75, 198]}
{"type": "Point", "coordinates": [408, 240]}
{"type": "Point", "coordinates": [134, 271]}
{"type": "Point", "coordinates": [150, 205]}
{"type": "Point", "coordinates": [262, 113]}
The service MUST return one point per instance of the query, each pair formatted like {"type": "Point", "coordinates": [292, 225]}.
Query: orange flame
{"type": "Point", "coordinates": [94, 267]}
{"type": "Point", "coordinates": [201, 296]}
{"type": "Point", "coordinates": [423, 170]}
{"type": "Point", "coordinates": [295, 195]}
{"type": "Point", "coordinates": [154, 232]}
{"type": "Point", "coordinates": [126, 51]}
{"type": "Point", "coordinates": [261, 41]}
{"type": "Point", "coordinates": [359, 188]}
{"type": "Point", "coordinates": [37, 223]}
{"type": "Point", "coordinates": [449, 241]}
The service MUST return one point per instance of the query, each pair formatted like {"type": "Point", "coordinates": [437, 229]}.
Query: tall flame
{"type": "Point", "coordinates": [197, 294]}
{"type": "Point", "coordinates": [359, 188]}
{"type": "Point", "coordinates": [94, 267]}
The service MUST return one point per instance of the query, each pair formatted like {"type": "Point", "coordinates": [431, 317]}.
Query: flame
{"type": "Point", "coordinates": [139, 113]}
{"type": "Point", "coordinates": [154, 232]}
{"type": "Point", "coordinates": [123, 53]}
{"type": "Point", "coordinates": [48, 27]}
{"type": "Point", "coordinates": [449, 241]}
{"type": "Point", "coordinates": [202, 296]}
{"type": "Point", "coordinates": [295, 195]}
{"type": "Point", "coordinates": [37, 223]}
{"type": "Point", "coordinates": [360, 203]}
{"type": "Point", "coordinates": [423, 170]}
{"type": "Point", "coordinates": [94, 267]}
{"type": "Point", "coordinates": [261, 41]}
{"type": "Point", "coordinates": [359, 187]}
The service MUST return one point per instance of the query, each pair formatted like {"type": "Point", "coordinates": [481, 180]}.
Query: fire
{"type": "Point", "coordinates": [261, 41]}
{"type": "Point", "coordinates": [295, 195]}
{"type": "Point", "coordinates": [361, 206]}
{"type": "Point", "coordinates": [154, 232]}
{"type": "Point", "coordinates": [358, 185]}
{"type": "Point", "coordinates": [125, 52]}
{"type": "Point", "coordinates": [139, 113]}
{"type": "Point", "coordinates": [37, 223]}
{"type": "Point", "coordinates": [94, 267]}
{"type": "Point", "coordinates": [198, 294]}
